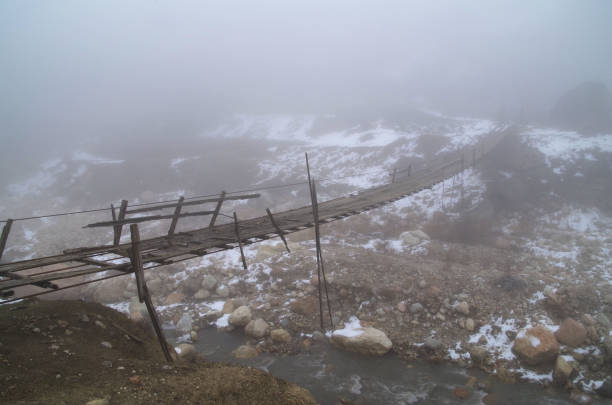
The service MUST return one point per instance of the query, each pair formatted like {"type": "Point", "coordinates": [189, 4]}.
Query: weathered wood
{"type": "Point", "coordinates": [237, 228]}
{"type": "Point", "coordinates": [5, 233]}
{"type": "Point", "coordinates": [137, 261]}
{"type": "Point", "coordinates": [156, 325]}
{"type": "Point", "coordinates": [118, 228]}
{"type": "Point", "coordinates": [278, 230]}
{"type": "Point", "coordinates": [194, 202]}
{"type": "Point", "coordinates": [175, 218]}
{"type": "Point", "coordinates": [138, 220]}
{"type": "Point", "coordinates": [217, 209]}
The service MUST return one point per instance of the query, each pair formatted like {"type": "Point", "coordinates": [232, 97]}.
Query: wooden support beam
{"type": "Point", "coordinates": [175, 218]}
{"type": "Point", "coordinates": [194, 202]}
{"type": "Point", "coordinates": [117, 227]}
{"type": "Point", "coordinates": [5, 234]}
{"type": "Point", "coordinates": [237, 229]}
{"type": "Point", "coordinates": [217, 209]}
{"type": "Point", "coordinates": [144, 219]}
{"type": "Point", "coordinates": [278, 230]}
{"type": "Point", "coordinates": [143, 291]}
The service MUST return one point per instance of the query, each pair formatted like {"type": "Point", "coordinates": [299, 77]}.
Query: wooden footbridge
{"type": "Point", "coordinates": [91, 264]}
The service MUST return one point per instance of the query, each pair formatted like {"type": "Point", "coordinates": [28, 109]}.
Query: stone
{"type": "Point", "coordinates": [101, 401]}
{"type": "Point", "coordinates": [174, 298]}
{"type": "Point", "coordinates": [318, 336]}
{"type": "Point", "coordinates": [257, 328]}
{"type": "Point", "coordinates": [408, 239]}
{"type": "Point", "coordinates": [607, 349]}
{"type": "Point", "coordinates": [280, 336]}
{"type": "Point", "coordinates": [194, 335]}
{"type": "Point", "coordinates": [469, 324]}
{"type": "Point", "coordinates": [187, 351]}
{"type": "Point", "coordinates": [201, 294]}
{"type": "Point", "coordinates": [138, 311]}
{"type": "Point", "coordinates": [401, 306]}
{"type": "Point", "coordinates": [110, 291]}
{"type": "Point", "coordinates": [209, 282]}
{"type": "Point", "coordinates": [245, 352]}
{"type": "Point", "coordinates": [222, 291]}
{"type": "Point", "coordinates": [416, 308]}
{"type": "Point", "coordinates": [581, 398]}
{"type": "Point", "coordinates": [461, 392]}
{"type": "Point", "coordinates": [369, 341]}
{"type": "Point", "coordinates": [571, 333]}
{"type": "Point", "coordinates": [420, 234]}
{"type": "Point", "coordinates": [100, 324]}
{"type": "Point", "coordinates": [538, 345]}
{"type": "Point", "coordinates": [228, 307]}
{"type": "Point", "coordinates": [463, 308]}
{"type": "Point", "coordinates": [432, 344]}
{"type": "Point", "coordinates": [185, 324]}
{"type": "Point", "coordinates": [479, 354]}
{"type": "Point", "coordinates": [106, 344]}
{"type": "Point", "coordinates": [212, 316]}
{"type": "Point", "coordinates": [422, 284]}
{"type": "Point", "coordinates": [84, 318]}
{"type": "Point", "coordinates": [603, 321]}
{"type": "Point", "coordinates": [562, 372]}
{"type": "Point", "coordinates": [305, 306]}
{"type": "Point", "coordinates": [155, 286]}
{"type": "Point", "coordinates": [240, 317]}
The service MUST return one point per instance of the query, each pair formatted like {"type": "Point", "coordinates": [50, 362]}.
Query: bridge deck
{"type": "Point", "coordinates": [186, 245]}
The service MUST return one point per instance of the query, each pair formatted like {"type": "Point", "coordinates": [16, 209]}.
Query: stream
{"type": "Point", "coordinates": [330, 374]}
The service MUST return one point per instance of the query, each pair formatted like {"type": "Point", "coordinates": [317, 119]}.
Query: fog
{"type": "Point", "coordinates": [76, 69]}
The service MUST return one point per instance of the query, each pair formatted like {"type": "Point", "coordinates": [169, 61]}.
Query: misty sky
{"type": "Point", "coordinates": [91, 67]}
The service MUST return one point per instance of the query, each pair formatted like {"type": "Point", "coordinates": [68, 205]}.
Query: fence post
{"type": "Point", "coordinates": [118, 228]}
{"type": "Point", "coordinates": [217, 209]}
{"type": "Point", "coordinates": [177, 212]}
{"type": "Point", "coordinates": [5, 234]}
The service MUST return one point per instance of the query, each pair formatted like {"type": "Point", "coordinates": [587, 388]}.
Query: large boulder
{"type": "Point", "coordinates": [362, 340]}
{"type": "Point", "coordinates": [408, 239]}
{"type": "Point", "coordinates": [186, 351]}
{"type": "Point", "coordinates": [537, 345]}
{"type": "Point", "coordinates": [571, 333]}
{"type": "Point", "coordinates": [240, 317]}
{"type": "Point", "coordinates": [562, 372]}
{"type": "Point", "coordinates": [280, 336]}
{"type": "Point", "coordinates": [257, 328]}
{"type": "Point", "coordinates": [245, 352]}
{"type": "Point", "coordinates": [185, 324]}
{"type": "Point", "coordinates": [209, 282]}
{"type": "Point", "coordinates": [174, 298]}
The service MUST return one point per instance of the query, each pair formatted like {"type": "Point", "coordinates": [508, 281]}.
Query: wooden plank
{"type": "Point", "coordinates": [156, 325]}
{"type": "Point", "coordinates": [278, 230]}
{"type": "Point", "coordinates": [175, 218]}
{"type": "Point", "coordinates": [116, 238]}
{"type": "Point", "coordinates": [5, 233]}
{"type": "Point", "coordinates": [137, 261]}
{"type": "Point", "coordinates": [117, 227]}
{"type": "Point", "coordinates": [195, 202]}
{"type": "Point", "coordinates": [217, 209]}
{"type": "Point", "coordinates": [144, 219]}
{"type": "Point", "coordinates": [237, 228]}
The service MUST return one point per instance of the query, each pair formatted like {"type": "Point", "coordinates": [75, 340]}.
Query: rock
{"type": "Point", "coordinates": [84, 318]}
{"type": "Point", "coordinates": [368, 341]}
{"type": "Point", "coordinates": [581, 398]}
{"type": "Point", "coordinates": [138, 311]}
{"type": "Point", "coordinates": [469, 324]}
{"type": "Point", "coordinates": [401, 306]}
{"type": "Point", "coordinates": [432, 344]}
{"type": "Point", "coordinates": [603, 321]}
{"type": "Point", "coordinates": [245, 352]}
{"type": "Point", "coordinates": [606, 389]}
{"type": "Point", "coordinates": [318, 336]}
{"type": "Point", "coordinates": [280, 336]}
{"type": "Point", "coordinates": [420, 234]}
{"type": "Point", "coordinates": [416, 308]}
{"type": "Point", "coordinates": [422, 284]}
{"type": "Point", "coordinates": [135, 379]}
{"type": "Point", "coordinates": [408, 239]}
{"type": "Point", "coordinates": [222, 291]}
{"type": "Point", "coordinates": [479, 354]}
{"type": "Point", "coordinates": [155, 286]}
{"type": "Point", "coordinates": [185, 324]}
{"type": "Point", "coordinates": [305, 306]}
{"type": "Point", "coordinates": [194, 335]}
{"type": "Point", "coordinates": [228, 307]}
{"type": "Point", "coordinates": [562, 372]}
{"type": "Point", "coordinates": [174, 298]}
{"type": "Point", "coordinates": [106, 344]}
{"type": "Point", "coordinates": [111, 290]}
{"type": "Point", "coordinates": [571, 333]}
{"type": "Point", "coordinates": [100, 324]}
{"type": "Point", "coordinates": [212, 316]}
{"type": "Point", "coordinates": [537, 346]}
{"type": "Point", "coordinates": [240, 317]}
{"type": "Point", "coordinates": [186, 351]}
{"type": "Point", "coordinates": [607, 348]}
{"type": "Point", "coordinates": [463, 308]}
{"type": "Point", "coordinates": [257, 328]}
{"type": "Point", "coordinates": [202, 294]}
{"type": "Point", "coordinates": [209, 282]}
{"type": "Point", "coordinates": [102, 401]}
{"type": "Point", "coordinates": [461, 393]}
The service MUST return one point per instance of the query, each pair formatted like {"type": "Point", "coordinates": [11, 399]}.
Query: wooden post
{"type": "Point", "coordinates": [5, 234]}
{"type": "Point", "coordinates": [237, 229]}
{"type": "Point", "coordinates": [143, 291]}
{"type": "Point", "coordinates": [314, 214]}
{"type": "Point", "coordinates": [119, 228]}
{"type": "Point", "coordinates": [177, 212]}
{"type": "Point", "coordinates": [280, 233]}
{"type": "Point", "coordinates": [393, 175]}
{"type": "Point", "coordinates": [217, 209]}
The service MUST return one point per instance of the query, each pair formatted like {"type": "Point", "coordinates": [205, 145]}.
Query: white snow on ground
{"type": "Point", "coordinates": [497, 342]}
{"type": "Point", "coordinates": [351, 329]}
{"type": "Point", "coordinates": [96, 160]}
{"type": "Point", "coordinates": [564, 146]}
{"type": "Point", "coordinates": [176, 162]}
{"type": "Point", "coordinates": [41, 180]}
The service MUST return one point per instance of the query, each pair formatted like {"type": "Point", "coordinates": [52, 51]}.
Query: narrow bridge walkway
{"type": "Point", "coordinates": [80, 264]}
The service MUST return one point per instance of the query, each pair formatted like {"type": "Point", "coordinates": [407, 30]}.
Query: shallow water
{"type": "Point", "coordinates": [331, 374]}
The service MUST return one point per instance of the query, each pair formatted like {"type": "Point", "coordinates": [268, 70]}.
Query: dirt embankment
{"type": "Point", "coordinates": [69, 352]}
